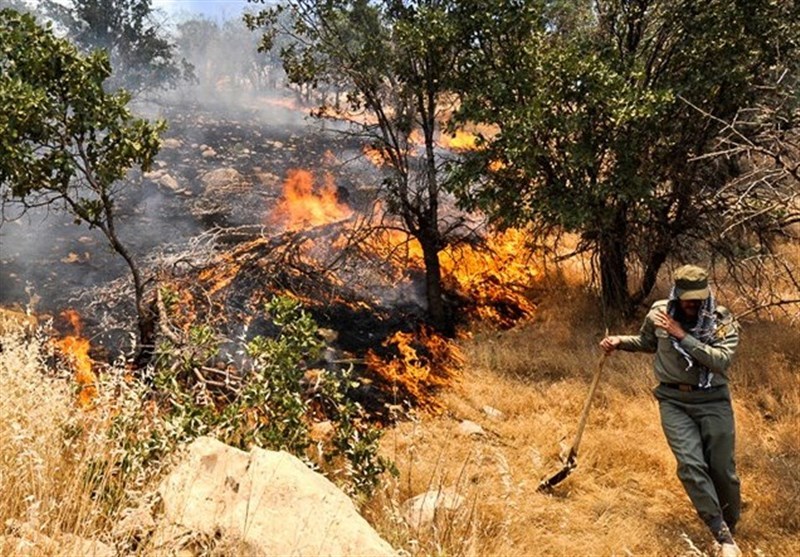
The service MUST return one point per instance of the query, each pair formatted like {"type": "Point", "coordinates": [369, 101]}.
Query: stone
{"type": "Point", "coordinates": [221, 180]}
{"type": "Point", "coordinates": [425, 508]}
{"type": "Point", "coordinates": [269, 501]}
{"type": "Point", "coordinates": [169, 182]}
{"type": "Point", "coordinates": [468, 429]}
{"type": "Point", "coordinates": [494, 413]}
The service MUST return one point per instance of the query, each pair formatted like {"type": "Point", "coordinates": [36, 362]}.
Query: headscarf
{"type": "Point", "coordinates": [704, 330]}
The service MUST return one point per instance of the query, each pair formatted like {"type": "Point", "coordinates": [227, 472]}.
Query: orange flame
{"type": "Point", "coordinates": [493, 276]}
{"type": "Point", "coordinates": [424, 362]}
{"type": "Point", "coordinates": [375, 156]}
{"type": "Point", "coordinates": [461, 140]}
{"type": "Point", "coordinates": [303, 205]}
{"type": "Point", "coordinates": [497, 165]}
{"type": "Point", "coordinates": [76, 349]}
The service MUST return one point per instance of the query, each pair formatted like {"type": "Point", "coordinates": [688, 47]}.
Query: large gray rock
{"type": "Point", "coordinates": [270, 501]}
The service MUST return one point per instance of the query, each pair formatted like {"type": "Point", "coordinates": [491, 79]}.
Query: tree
{"type": "Point", "coordinates": [605, 111]}
{"type": "Point", "coordinates": [64, 140]}
{"type": "Point", "coordinates": [141, 54]}
{"type": "Point", "coordinates": [392, 60]}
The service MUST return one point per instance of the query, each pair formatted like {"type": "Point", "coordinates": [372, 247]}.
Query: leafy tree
{"type": "Point", "coordinates": [607, 111]}
{"type": "Point", "coordinates": [392, 60]}
{"type": "Point", "coordinates": [141, 54]}
{"type": "Point", "coordinates": [64, 140]}
{"type": "Point", "coordinates": [225, 52]}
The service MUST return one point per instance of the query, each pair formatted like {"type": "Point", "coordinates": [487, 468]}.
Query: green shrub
{"type": "Point", "coordinates": [272, 403]}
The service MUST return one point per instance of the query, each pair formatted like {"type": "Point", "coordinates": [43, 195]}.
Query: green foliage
{"type": "Point", "coordinates": [393, 60]}
{"type": "Point", "coordinates": [277, 399]}
{"type": "Point", "coordinates": [65, 140]}
{"type": "Point", "coordinates": [606, 111]}
{"type": "Point", "coordinates": [62, 136]}
{"type": "Point", "coordinates": [128, 31]}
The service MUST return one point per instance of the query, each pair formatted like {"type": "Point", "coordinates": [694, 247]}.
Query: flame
{"type": "Point", "coordinates": [303, 205]}
{"type": "Point", "coordinates": [229, 265]}
{"type": "Point", "coordinates": [76, 349]}
{"type": "Point", "coordinates": [461, 140]}
{"type": "Point", "coordinates": [422, 362]}
{"type": "Point", "coordinates": [497, 165]}
{"type": "Point", "coordinates": [416, 138]}
{"type": "Point", "coordinates": [375, 156]}
{"type": "Point", "coordinates": [493, 277]}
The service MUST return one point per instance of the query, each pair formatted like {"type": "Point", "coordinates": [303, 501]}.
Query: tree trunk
{"type": "Point", "coordinates": [656, 259]}
{"type": "Point", "coordinates": [613, 268]}
{"type": "Point", "coordinates": [146, 317]}
{"type": "Point", "coordinates": [437, 309]}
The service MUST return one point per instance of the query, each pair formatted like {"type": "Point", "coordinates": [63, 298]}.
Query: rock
{"type": "Point", "coordinates": [208, 153]}
{"type": "Point", "coordinates": [169, 182]}
{"type": "Point", "coordinates": [269, 501]}
{"type": "Point", "coordinates": [423, 509]}
{"type": "Point", "coordinates": [494, 413]}
{"type": "Point", "coordinates": [222, 180]}
{"type": "Point", "coordinates": [171, 143]}
{"type": "Point", "coordinates": [137, 523]}
{"type": "Point", "coordinates": [468, 429]}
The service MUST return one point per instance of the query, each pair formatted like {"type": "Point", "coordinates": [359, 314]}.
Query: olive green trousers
{"type": "Point", "coordinates": [699, 427]}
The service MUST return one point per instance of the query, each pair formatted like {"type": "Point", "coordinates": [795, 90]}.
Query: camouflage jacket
{"type": "Point", "coordinates": [670, 366]}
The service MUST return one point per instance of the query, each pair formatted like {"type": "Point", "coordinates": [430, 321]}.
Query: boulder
{"type": "Point", "coordinates": [171, 143]}
{"type": "Point", "coordinates": [169, 182]}
{"type": "Point", "coordinates": [423, 509]}
{"type": "Point", "coordinates": [270, 501]}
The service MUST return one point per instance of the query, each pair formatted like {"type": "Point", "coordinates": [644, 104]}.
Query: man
{"type": "Point", "coordinates": [694, 341]}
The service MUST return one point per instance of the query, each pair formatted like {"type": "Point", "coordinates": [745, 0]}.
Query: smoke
{"type": "Point", "coordinates": [233, 138]}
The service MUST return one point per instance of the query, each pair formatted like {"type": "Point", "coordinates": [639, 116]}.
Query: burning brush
{"type": "Point", "coordinates": [416, 364]}
{"type": "Point", "coordinates": [75, 349]}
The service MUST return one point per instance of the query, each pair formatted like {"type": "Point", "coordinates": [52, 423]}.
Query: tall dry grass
{"type": "Point", "coordinates": [57, 461]}
{"type": "Point", "coordinates": [624, 498]}
{"type": "Point", "coordinates": [59, 467]}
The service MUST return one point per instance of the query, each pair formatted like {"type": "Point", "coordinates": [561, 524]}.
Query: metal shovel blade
{"type": "Point", "coordinates": [572, 458]}
{"type": "Point", "coordinates": [560, 476]}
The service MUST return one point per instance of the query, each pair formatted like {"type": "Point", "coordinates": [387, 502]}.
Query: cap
{"type": "Point", "coordinates": [691, 283]}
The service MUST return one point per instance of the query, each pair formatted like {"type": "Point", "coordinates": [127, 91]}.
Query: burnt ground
{"type": "Point", "coordinates": [50, 263]}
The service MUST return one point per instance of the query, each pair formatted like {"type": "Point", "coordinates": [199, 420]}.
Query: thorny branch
{"type": "Point", "coordinates": [760, 209]}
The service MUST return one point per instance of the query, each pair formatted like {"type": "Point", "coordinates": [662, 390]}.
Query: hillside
{"type": "Point", "coordinates": [623, 499]}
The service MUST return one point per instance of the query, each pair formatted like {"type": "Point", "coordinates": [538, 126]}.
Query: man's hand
{"type": "Point", "coordinates": [662, 320]}
{"type": "Point", "coordinates": [609, 344]}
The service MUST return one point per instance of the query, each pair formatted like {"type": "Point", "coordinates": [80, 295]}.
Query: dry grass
{"type": "Point", "coordinates": [59, 472]}
{"type": "Point", "coordinates": [624, 498]}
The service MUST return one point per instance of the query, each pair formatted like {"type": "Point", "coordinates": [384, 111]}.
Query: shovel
{"type": "Point", "coordinates": [572, 458]}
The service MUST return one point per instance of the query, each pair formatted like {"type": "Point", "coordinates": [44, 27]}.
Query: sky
{"type": "Point", "coordinates": [214, 9]}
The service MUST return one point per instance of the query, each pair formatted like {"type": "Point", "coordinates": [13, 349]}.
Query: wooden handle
{"type": "Point", "coordinates": [587, 405]}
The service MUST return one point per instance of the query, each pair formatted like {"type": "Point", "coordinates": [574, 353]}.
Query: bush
{"type": "Point", "coordinates": [271, 401]}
